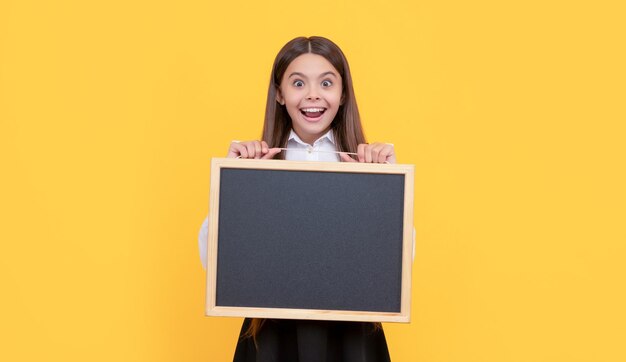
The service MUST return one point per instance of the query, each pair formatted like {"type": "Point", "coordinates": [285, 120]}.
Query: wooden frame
{"type": "Point", "coordinates": [407, 244]}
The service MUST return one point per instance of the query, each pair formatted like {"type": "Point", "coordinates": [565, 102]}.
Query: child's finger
{"type": "Point", "coordinates": [233, 150]}
{"type": "Point", "coordinates": [345, 158]}
{"type": "Point", "coordinates": [264, 147]}
{"type": "Point", "coordinates": [385, 154]}
{"type": "Point", "coordinates": [384, 150]}
{"type": "Point", "coordinates": [250, 149]}
{"type": "Point", "coordinates": [257, 149]}
{"type": "Point", "coordinates": [271, 153]}
{"type": "Point", "coordinates": [376, 148]}
{"type": "Point", "coordinates": [368, 153]}
{"type": "Point", "coordinates": [241, 150]}
{"type": "Point", "coordinates": [360, 150]}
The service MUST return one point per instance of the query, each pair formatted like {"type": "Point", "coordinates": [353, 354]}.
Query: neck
{"type": "Point", "coordinates": [310, 139]}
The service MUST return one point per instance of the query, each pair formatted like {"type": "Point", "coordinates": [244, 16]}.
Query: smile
{"type": "Point", "coordinates": [312, 113]}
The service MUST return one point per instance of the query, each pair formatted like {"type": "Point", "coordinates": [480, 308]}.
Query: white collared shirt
{"type": "Point", "coordinates": [321, 150]}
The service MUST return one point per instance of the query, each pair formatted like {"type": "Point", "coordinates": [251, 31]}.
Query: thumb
{"type": "Point", "coordinates": [345, 158]}
{"type": "Point", "coordinates": [271, 153]}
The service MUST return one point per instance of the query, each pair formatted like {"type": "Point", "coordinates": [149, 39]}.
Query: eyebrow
{"type": "Point", "coordinates": [321, 75]}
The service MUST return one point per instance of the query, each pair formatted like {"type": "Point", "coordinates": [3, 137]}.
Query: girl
{"type": "Point", "coordinates": [311, 114]}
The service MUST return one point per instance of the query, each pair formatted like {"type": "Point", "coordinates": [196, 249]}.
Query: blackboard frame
{"type": "Point", "coordinates": [212, 309]}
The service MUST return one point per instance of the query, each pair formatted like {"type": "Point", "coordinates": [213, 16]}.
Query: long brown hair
{"type": "Point", "coordinates": [346, 126]}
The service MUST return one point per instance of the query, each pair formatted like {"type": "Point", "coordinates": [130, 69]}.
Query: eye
{"type": "Point", "coordinates": [298, 83]}
{"type": "Point", "coordinates": [326, 83]}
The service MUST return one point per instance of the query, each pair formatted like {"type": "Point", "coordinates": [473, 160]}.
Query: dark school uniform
{"type": "Point", "coordinates": [283, 340]}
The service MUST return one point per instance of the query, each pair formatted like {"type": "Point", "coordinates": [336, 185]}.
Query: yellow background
{"type": "Point", "coordinates": [512, 112]}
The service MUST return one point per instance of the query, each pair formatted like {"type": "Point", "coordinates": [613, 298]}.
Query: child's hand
{"type": "Point", "coordinates": [372, 153]}
{"type": "Point", "coordinates": [251, 149]}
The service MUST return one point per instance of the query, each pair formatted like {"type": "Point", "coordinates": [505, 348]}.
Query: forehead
{"type": "Point", "coordinates": [310, 65]}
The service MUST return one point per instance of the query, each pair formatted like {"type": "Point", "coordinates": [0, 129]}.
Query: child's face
{"type": "Point", "coordinates": [311, 92]}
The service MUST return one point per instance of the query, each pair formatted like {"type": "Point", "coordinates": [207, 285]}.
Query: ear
{"type": "Point", "coordinates": [279, 97]}
{"type": "Point", "coordinates": [343, 98]}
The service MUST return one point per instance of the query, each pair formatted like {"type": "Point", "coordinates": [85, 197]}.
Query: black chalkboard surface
{"type": "Point", "coordinates": [310, 240]}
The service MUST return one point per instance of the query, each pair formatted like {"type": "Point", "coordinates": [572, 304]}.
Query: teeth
{"type": "Point", "coordinates": [312, 109]}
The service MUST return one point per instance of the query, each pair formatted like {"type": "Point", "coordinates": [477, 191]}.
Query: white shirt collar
{"type": "Point", "coordinates": [328, 135]}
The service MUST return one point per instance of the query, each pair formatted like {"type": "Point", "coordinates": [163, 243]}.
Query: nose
{"type": "Point", "coordinates": [313, 94]}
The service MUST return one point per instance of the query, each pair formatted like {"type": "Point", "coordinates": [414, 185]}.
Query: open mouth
{"type": "Point", "coordinates": [312, 113]}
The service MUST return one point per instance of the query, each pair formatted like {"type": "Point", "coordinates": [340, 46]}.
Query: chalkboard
{"type": "Point", "coordinates": [310, 240]}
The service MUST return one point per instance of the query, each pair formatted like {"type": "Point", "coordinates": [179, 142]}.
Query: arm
{"type": "Point", "coordinates": [202, 242]}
